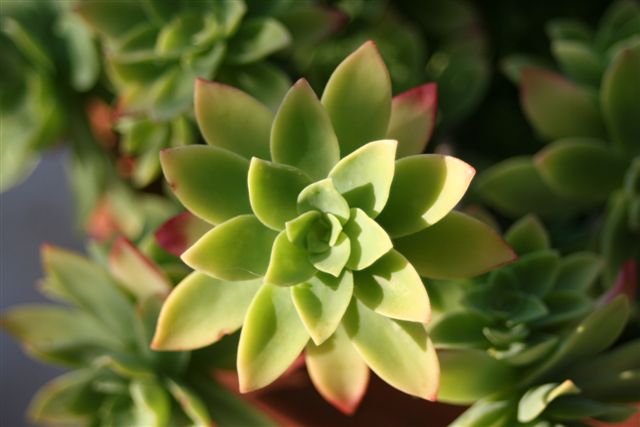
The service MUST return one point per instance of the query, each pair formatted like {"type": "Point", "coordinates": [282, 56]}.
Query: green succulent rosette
{"type": "Point", "coordinates": [588, 111]}
{"type": "Point", "coordinates": [102, 335]}
{"type": "Point", "coordinates": [318, 236]}
{"type": "Point", "coordinates": [49, 61]}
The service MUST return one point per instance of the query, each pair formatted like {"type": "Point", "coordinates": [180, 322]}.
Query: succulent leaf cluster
{"type": "Point", "coordinates": [319, 232]}
{"type": "Point", "coordinates": [102, 334]}
{"type": "Point", "coordinates": [588, 111]}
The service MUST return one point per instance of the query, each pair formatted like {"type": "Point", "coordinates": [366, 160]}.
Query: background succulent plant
{"type": "Point", "coordinates": [589, 112]}
{"type": "Point", "coordinates": [322, 234]}
{"type": "Point", "coordinates": [103, 334]}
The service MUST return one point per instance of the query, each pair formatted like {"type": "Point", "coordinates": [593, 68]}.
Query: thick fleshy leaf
{"type": "Point", "coordinates": [333, 260]}
{"type": "Point", "coordinates": [180, 232]}
{"type": "Point", "coordinates": [231, 119]}
{"type": "Point", "coordinates": [579, 60]}
{"type": "Point", "coordinates": [190, 403]}
{"type": "Point", "coordinates": [559, 108]}
{"type": "Point", "coordinates": [264, 81]}
{"type": "Point", "coordinates": [564, 307]}
{"type": "Point", "coordinates": [536, 272]}
{"type": "Point", "coordinates": [399, 352]}
{"type": "Point", "coordinates": [580, 408]}
{"type": "Point", "coordinates": [337, 371]}
{"type": "Point", "coordinates": [536, 400]}
{"type": "Point", "coordinates": [136, 272]}
{"type": "Point", "coordinates": [469, 375]}
{"type": "Point", "coordinates": [271, 339]}
{"type": "Point", "coordinates": [527, 235]}
{"type": "Point", "coordinates": [364, 177]}
{"type": "Point", "coordinates": [369, 241]}
{"type": "Point", "coordinates": [102, 298]}
{"type": "Point", "coordinates": [257, 38]}
{"type": "Point", "coordinates": [273, 191]}
{"type": "Point", "coordinates": [578, 271]}
{"type": "Point", "coordinates": [358, 98]}
{"type": "Point", "coordinates": [486, 413]}
{"type": "Point", "coordinates": [425, 188]}
{"type": "Point", "coordinates": [201, 310]}
{"type": "Point", "coordinates": [111, 21]}
{"type": "Point", "coordinates": [209, 181]}
{"type": "Point", "coordinates": [289, 263]}
{"type": "Point", "coordinates": [462, 329]}
{"type": "Point", "coordinates": [321, 303]}
{"type": "Point", "coordinates": [620, 97]}
{"type": "Point", "coordinates": [581, 169]}
{"type": "Point", "coordinates": [151, 400]}
{"type": "Point", "coordinates": [458, 246]}
{"type": "Point", "coordinates": [393, 288]}
{"type": "Point", "coordinates": [413, 117]}
{"type": "Point", "coordinates": [298, 228]}
{"type": "Point", "coordinates": [515, 188]}
{"type": "Point", "coordinates": [323, 196]}
{"type": "Point", "coordinates": [302, 134]}
{"type": "Point", "coordinates": [238, 249]}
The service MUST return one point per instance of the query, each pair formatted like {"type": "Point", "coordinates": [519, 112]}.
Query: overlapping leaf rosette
{"type": "Point", "coordinates": [589, 112]}
{"type": "Point", "coordinates": [318, 235]}
{"type": "Point", "coordinates": [155, 50]}
{"type": "Point", "coordinates": [102, 334]}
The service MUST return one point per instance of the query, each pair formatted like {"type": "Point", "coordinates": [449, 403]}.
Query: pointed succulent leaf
{"type": "Point", "coordinates": [151, 401]}
{"type": "Point", "coordinates": [298, 228]}
{"type": "Point", "coordinates": [358, 98]}
{"type": "Point", "coordinates": [620, 97]}
{"type": "Point", "coordinates": [136, 272]}
{"type": "Point", "coordinates": [364, 177]}
{"type": "Point", "coordinates": [578, 271]}
{"type": "Point", "coordinates": [334, 259]}
{"type": "Point", "coordinates": [66, 399]}
{"type": "Point", "coordinates": [302, 134]}
{"type": "Point", "coordinates": [578, 60]}
{"type": "Point", "coordinates": [178, 233]}
{"type": "Point", "coordinates": [410, 208]}
{"type": "Point", "coordinates": [266, 82]}
{"type": "Point", "coordinates": [237, 249]}
{"type": "Point", "coordinates": [533, 351]}
{"type": "Point", "coordinates": [515, 187]}
{"type": "Point", "coordinates": [368, 240]}
{"type": "Point", "coordinates": [289, 263]}
{"type": "Point", "coordinates": [271, 339]}
{"type": "Point", "coordinates": [527, 235]}
{"type": "Point", "coordinates": [564, 307]}
{"type": "Point", "coordinates": [399, 352]}
{"type": "Point", "coordinates": [620, 359]}
{"type": "Point", "coordinates": [413, 117]}
{"type": "Point", "coordinates": [581, 169]}
{"type": "Point", "coordinates": [392, 287]}
{"type": "Point", "coordinates": [337, 371]}
{"type": "Point", "coordinates": [458, 246]}
{"type": "Point", "coordinates": [462, 329]}
{"type": "Point", "coordinates": [273, 191]}
{"type": "Point", "coordinates": [257, 38]}
{"type": "Point", "coordinates": [535, 400]}
{"type": "Point", "coordinates": [559, 108]}
{"type": "Point", "coordinates": [486, 412]}
{"type": "Point", "coordinates": [321, 303]}
{"type": "Point", "coordinates": [102, 299]}
{"type": "Point", "coordinates": [190, 403]}
{"type": "Point", "coordinates": [620, 21]}
{"type": "Point", "coordinates": [209, 181]}
{"type": "Point", "coordinates": [323, 196]}
{"type": "Point", "coordinates": [536, 272]}
{"type": "Point", "coordinates": [110, 21]}
{"type": "Point", "coordinates": [469, 375]}
{"type": "Point", "coordinates": [579, 408]}
{"type": "Point", "coordinates": [231, 119]}
{"type": "Point", "coordinates": [201, 310]}
{"type": "Point", "coordinates": [527, 309]}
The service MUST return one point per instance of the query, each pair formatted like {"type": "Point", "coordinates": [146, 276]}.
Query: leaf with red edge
{"type": "Point", "coordinates": [413, 117]}
{"type": "Point", "coordinates": [338, 372]}
{"type": "Point", "coordinates": [178, 233]}
{"type": "Point", "coordinates": [136, 272]}
{"type": "Point", "coordinates": [559, 108]}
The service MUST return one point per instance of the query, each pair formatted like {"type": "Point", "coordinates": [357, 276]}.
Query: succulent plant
{"type": "Point", "coordinates": [519, 313]}
{"type": "Point", "coordinates": [589, 113]}
{"type": "Point", "coordinates": [155, 50]}
{"type": "Point", "coordinates": [103, 333]}
{"type": "Point", "coordinates": [322, 234]}
{"type": "Point", "coordinates": [49, 62]}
